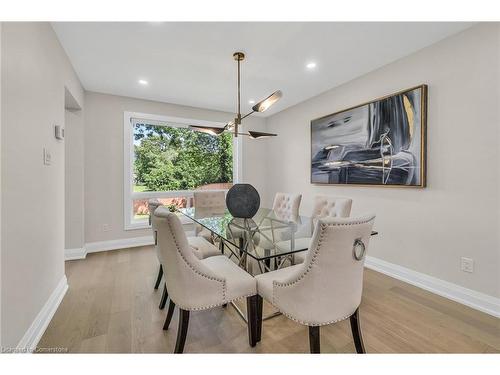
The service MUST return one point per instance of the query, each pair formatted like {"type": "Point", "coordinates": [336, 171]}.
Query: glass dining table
{"type": "Point", "coordinates": [259, 244]}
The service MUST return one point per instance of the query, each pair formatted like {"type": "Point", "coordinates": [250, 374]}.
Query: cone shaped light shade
{"type": "Point", "coordinates": [256, 135]}
{"type": "Point", "coordinates": [207, 129]}
{"type": "Point", "coordinates": [267, 102]}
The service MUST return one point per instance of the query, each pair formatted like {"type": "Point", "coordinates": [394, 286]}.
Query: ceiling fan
{"type": "Point", "coordinates": [232, 126]}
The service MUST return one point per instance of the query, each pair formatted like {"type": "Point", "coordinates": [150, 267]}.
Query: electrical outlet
{"type": "Point", "coordinates": [467, 264]}
{"type": "Point", "coordinates": [106, 228]}
{"type": "Point", "coordinates": [47, 157]}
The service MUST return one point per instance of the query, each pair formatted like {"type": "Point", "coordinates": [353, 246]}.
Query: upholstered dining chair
{"type": "Point", "coordinates": [323, 206]}
{"type": "Point", "coordinates": [326, 288]}
{"type": "Point", "coordinates": [153, 204]}
{"type": "Point", "coordinates": [201, 249]}
{"type": "Point", "coordinates": [200, 284]}
{"type": "Point", "coordinates": [286, 206]}
{"type": "Point", "coordinates": [208, 200]}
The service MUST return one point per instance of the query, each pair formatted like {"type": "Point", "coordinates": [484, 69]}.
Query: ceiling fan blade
{"type": "Point", "coordinates": [257, 135]}
{"type": "Point", "coordinates": [207, 129]}
{"type": "Point", "coordinates": [267, 102]}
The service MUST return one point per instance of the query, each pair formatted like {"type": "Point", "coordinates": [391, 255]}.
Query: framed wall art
{"type": "Point", "coordinates": [379, 143]}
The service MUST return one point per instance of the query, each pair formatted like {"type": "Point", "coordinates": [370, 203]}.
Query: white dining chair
{"type": "Point", "coordinates": [200, 247]}
{"type": "Point", "coordinates": [200, 284]}
{"type": "Point", "coordinates": [327, 287]}
{"type": "Point", "coordinates": [153, 204]}
{"type": "Point", "coordinates": [323, 206]}
{"type": "Point", "coordinates": [286, 206]}
{"type": "Point", "coordinates": [207, 201]}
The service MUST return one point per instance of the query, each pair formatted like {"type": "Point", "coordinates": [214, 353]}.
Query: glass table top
{"type": "Point", "coordinates": [264, 236]}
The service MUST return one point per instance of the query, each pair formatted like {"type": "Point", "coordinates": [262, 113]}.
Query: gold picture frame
{"type": "Point", "coordinates": [336, 165]}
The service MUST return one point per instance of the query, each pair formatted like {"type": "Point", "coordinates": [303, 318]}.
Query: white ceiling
{"type": "Point", "coordinates": [192, 64]}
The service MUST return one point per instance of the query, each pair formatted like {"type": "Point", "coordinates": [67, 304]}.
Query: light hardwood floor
{"type": "Point", "coordinates": [111, 307]}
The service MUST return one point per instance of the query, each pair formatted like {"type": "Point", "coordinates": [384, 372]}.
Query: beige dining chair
{"type": "Point", "coordinates": [286, 206]}
{"type": "Point", "coordinates": [200, 284]}
{"type": "Point", "coordinates": [153, 204]}
{"type": "Point", "coordinates": [200, 247]}
{"type": "Point", "coordinates": [324, 206]}
{"type": "Point", "coordinates": [327, 287]}
{"type": "Point", "coordinates": [206, 200]}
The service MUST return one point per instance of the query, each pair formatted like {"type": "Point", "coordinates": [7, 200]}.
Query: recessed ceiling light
{"type": "Point", "coordinates": [143, 82]}
{"type": "Point", "coordinates": [311, 65]}
{"type": "Point", "coordinates": [251, 101]}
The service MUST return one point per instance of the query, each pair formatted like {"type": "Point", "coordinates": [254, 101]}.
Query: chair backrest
{"type": "Point", "coordinates": [190, 284]}
{"type": "Point", "coordinates": [328, 206]}
{"type": "Point", "coordinates": [153, 204]}
{"type": "Point", "coordinates": [327, 287]}
{"type": "Point", "coordinates": [208, 202]}
{"type": "Point", "coordinates": [209, 198]}
{"type": "Point", "coordinates": [286, 206]}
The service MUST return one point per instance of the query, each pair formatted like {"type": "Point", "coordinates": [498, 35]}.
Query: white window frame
{"type": "Point", "coordinates": [128, 156]}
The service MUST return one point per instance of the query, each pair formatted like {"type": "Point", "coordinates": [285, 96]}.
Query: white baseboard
{"type": "Point", "coordinates": [94, 247]}
{"type": "Point", "coordinates": [73, 254]}
{"type": "Point", "coordinates": [457, 293]}
{"type": "Point", "coordinates": [35, 332]}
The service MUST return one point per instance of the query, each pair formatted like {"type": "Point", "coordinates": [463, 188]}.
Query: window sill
{"type": "Point", "coordinates": [144, 224]}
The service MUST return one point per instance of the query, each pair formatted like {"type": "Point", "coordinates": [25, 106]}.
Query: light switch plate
{"type": "Point", "coordinates": [467, 264]}
{"type": "Point", "coordinates": [47, 157]}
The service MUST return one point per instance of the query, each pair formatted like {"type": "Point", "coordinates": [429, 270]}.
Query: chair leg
{"type": "Point", "coordinates": [158, 279]}
{"type": "Point", "coordinates": [356, 332]}
{"type": "Point", "coordinates": [314, 342]}
{"type": "Point", "coordinates": [252, 320]}
{"type": "Point", "coordinates": [164, 298]}
{"type": "Point", "coordinates": [182, 331]}
{"type": "Point", "coordinates": [259, 318]}
{"type": "Point", "coordinates": [170, 313]}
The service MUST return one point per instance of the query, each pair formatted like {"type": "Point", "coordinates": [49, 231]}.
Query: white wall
{"type": "Point", "coordinates": [104, 158]}
{"type": "Point", "coordinates": [458, 213]}
{"type": "Point", "coordinates": [74, 180]}
{"type": "Point", "coordinates": [35, 72]}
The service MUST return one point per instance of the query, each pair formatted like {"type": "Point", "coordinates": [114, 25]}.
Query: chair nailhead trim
{"type": "Point", "coordinates": [200, 308]}
{"type": "Point", "coordinates": [277, 284]}
{"type": "Point", "coordinates": [316, 324]}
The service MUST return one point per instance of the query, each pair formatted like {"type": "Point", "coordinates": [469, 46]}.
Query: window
{"type": "Point", "coordinates": [166, 160]}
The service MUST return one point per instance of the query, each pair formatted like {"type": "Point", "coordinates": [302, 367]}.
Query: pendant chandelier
{"type": "Point", "coordinates": [234, 125]}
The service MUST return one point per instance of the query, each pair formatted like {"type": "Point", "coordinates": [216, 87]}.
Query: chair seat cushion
{"type": "Point", "coordinates": [300, 243]}
{"type": "Point", "coordinates": [202, 248]}
{"type": "Point", "coordinates": [204, 233]}
{"type": "Point", "coordinates": [238, 282]}
{"type": "Point", "coordinates": [265, 280]}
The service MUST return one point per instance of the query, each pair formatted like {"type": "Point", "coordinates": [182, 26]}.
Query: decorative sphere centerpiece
{"type": "Point", "coordinates": [243, 201]}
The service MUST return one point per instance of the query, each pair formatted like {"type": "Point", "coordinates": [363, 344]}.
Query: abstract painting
{"type": "Point", "coordinates": [379, 143]}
